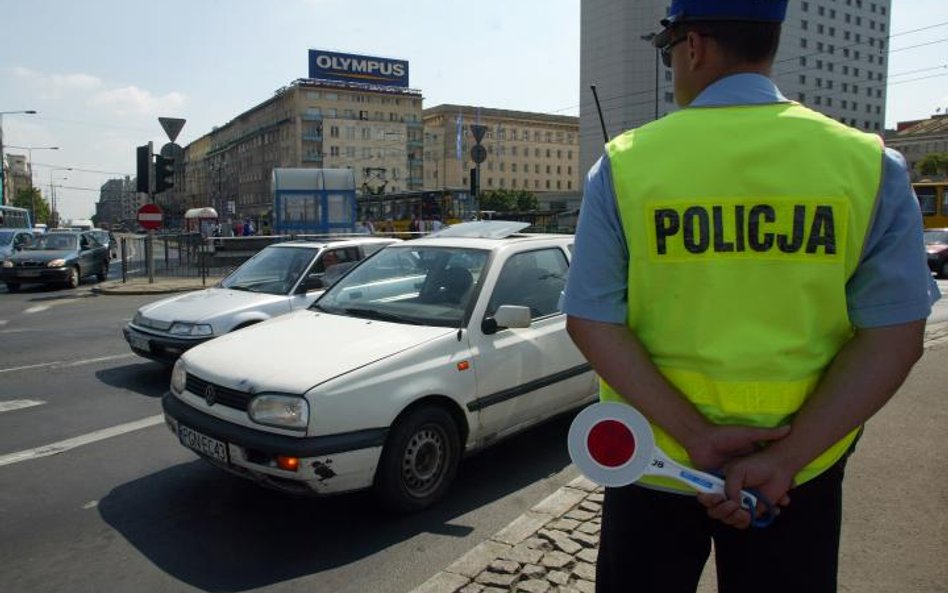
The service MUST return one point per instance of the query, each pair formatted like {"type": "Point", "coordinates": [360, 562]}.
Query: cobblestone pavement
{"type": "Point", "coordinates": [552, 547]}
{"type": "Point", "coordinates": [549, 549]}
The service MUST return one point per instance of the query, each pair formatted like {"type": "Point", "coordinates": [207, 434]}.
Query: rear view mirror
{"type": "Point", "coordinates": [507, 316]}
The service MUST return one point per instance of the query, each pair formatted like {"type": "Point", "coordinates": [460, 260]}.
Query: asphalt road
{"type": "Point", "coordinates": [131, 510]}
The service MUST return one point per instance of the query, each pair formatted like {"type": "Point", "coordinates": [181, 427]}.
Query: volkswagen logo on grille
{"type": "Point", "coordinates": [210, 395]}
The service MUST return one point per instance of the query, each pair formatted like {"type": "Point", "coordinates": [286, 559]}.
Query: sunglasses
{"type": "Point", "coordinates": [665, 50]}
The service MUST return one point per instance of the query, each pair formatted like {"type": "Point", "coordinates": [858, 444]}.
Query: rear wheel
{"type": "Point", "coordinates": [13, 286]}
{"type": "Point", "coordinates": [73, 280]}
{"type": "Point", "coordinates": [103, 272]}
{"type": "Point", "coordinates": [419, 461]}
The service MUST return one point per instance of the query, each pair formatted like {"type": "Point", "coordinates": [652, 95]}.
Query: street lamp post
{"type": "Point", "coordinates": [29, 151]}
{"type": "Point", "coordinates": [649, 38]}
{"type": "Point", "coordinates": [3, 159]}
{"type": "Point", "coordinates": [53, 214]}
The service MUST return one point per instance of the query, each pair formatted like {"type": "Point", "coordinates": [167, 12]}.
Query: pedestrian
{"type": "Point", "coordinates": [750, 275]}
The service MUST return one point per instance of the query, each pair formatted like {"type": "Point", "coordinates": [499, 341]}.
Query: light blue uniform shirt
{"type": "Point", "coordinates": [891, 285]}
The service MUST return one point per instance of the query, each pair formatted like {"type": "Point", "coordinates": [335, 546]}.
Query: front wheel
{"type": "Point", "coordinates": [419, 461]}
{"type": "Point", "coordinates": [73, 280]}
{"type": "Point", "coordinates": [944, 269]}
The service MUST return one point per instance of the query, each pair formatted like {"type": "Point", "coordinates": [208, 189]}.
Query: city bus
{"type": "Point", "coordinates": [933, 200]}
{"type": "Point", "coordinates": [12, 217]}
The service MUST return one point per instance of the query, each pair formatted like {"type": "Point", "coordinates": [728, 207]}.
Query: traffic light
{"type": "Point", "coordinates": [475, 182]}
{"type": "Point", "coordinates": [143, 168]}
{"type": "Point", "coordinates": [164, 173]}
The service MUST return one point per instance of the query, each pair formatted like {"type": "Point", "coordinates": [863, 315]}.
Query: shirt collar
{"type": "Point", "coordinates": [739, 89]}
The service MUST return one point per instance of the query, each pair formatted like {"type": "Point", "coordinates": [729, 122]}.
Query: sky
{"type": "Point", "coordinates": [100, 72]}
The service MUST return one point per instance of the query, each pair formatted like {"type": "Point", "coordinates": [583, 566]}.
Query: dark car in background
{"type": "Point", "coordinates": [936, 244]}
{"type": "Point", "coordinates": [56, 258]}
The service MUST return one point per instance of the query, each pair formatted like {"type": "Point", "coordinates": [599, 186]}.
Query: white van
{"type": "Point", "coordinates": [81, 224]}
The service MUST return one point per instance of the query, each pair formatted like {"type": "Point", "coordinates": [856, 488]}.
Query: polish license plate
{"type": "Point", "coordinates": [28, 273]}
{"type": "Point", "coordinates": [202, 443]}
{"type": "Point", "coordinates": [139, 343]}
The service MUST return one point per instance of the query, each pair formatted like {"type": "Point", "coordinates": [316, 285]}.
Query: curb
{"type": "Point", "coordinates": [550, 547]}
{"type": "Point", "coordinates": [137, 287]}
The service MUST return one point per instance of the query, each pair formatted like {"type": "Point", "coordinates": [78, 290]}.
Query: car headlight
{"type": "Point", "coordinates": [137, 319]}
{"type": "Point", "coordinates": [179, 328]}
{"type": "Point", "coordinates": [284, 411]}
{"type": "Point", "coordinates": [56, 263]}
{"type": "Point", "coordinates": [179, 376]}
{"type": "Point", "coordinates": [7, 263]}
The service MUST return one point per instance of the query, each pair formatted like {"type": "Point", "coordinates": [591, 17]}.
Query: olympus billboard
{"type": "Point", "coordinates": [329, 65]}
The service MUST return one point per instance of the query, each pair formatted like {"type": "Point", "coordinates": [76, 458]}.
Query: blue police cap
{"type": "Point", "coordinates": [757, 11]}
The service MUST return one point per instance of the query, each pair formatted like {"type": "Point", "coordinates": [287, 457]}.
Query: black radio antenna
{"type": "Point", "coordinates": [602, 122]}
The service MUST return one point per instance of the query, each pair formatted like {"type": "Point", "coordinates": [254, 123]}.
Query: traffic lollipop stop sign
{"type": "Point", "coordinates": [612, 444]}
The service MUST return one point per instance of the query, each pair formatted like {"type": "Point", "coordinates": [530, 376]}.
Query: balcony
{"type": "Point", "coordinates": [313, 158]}
{"type": "Point", "coordinates": [313, 136]}
{"type": "Point", "coordinates": [312, 117]}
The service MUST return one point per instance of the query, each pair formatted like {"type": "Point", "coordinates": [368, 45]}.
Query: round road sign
{"type": "Point", "coordinates": [150, 217]}
{"type": "Point", "coordinates": [478, 153]}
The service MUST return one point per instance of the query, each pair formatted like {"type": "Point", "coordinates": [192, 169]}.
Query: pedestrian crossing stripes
{"type": "Point", "coordinates": [19, 404]}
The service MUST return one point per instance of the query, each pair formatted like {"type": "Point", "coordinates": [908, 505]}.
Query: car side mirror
{"type": "Point", "coordinates": [507, 316]}
{"type": "Point", "coordinates": [312, 282]}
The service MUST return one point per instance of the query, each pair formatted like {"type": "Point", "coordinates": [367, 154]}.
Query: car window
{"type": "Point", "coordinates": [56, 242]}
{"type": "Point", "coordinates": [430, 285]}
{"type": "Point", "coordinates": [532, 279]}
{"type": "Point", "coordinates": [274, 270]}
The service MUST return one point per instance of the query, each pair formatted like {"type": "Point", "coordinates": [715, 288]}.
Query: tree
{"type": "Point", "coordinates": [505, 200]}
{"type": "Point", "coordinates": [935, 163]}
{"type": "Point", "coordinates": [32, 199]}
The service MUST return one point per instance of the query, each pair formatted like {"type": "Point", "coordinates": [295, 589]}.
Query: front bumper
{"type": "Point", "coordinates": [327, 464]}
{"type": "Point", "coordinates": [35, 275]}
{"type": "Point", "coordinates": [160, 348]}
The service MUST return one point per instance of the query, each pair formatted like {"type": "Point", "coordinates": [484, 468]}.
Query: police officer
{"type": "Point", "coordinates": [750, 275]}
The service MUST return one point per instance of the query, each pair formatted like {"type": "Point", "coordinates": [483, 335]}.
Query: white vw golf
{"type": "Point", "coordinates": [429, 349]}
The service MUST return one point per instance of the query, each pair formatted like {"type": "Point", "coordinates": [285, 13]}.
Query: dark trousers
{"type": "Point", "coordinates": [658, 542]}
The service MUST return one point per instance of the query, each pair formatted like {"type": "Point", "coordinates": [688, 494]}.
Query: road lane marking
{"type": "Point", "coordinates": [37, 309]}
{"type": "Point", "coordinates": [19, 404]}
{"type": "Point", "coordinates": [67, 363]}
{"type": "Point", "coordinates": [86, 439]}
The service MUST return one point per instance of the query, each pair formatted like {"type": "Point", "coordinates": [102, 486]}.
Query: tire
{"type": "Point", "coordinates": [943, 272]}
{"type": "Point", "coordinates": [13, 286]}
{"type": "Point", "coordinates": [73, 280]}
{"type": "Point", "coordinates": [419, 461]}
{"type": "Point", "coordinates": [103, 272]}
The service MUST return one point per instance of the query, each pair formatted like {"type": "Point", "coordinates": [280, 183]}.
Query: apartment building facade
{"type": "Point", "coordinates": [525, 151]}
{"type": "Point", "coordinates": [832, 58]}
{"type": "Point", "coordinates": [374, 128]}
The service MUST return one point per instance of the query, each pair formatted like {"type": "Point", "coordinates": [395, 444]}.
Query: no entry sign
{"type": "Point", "coordinates": [150, 217]}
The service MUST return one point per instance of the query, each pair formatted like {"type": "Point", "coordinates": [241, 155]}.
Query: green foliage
{"type": "Point", "coordinates": [31, 199]}
{"type": "Point", "coordinates": [935, 163]}
{"type": "Point", "coordinates": [506, 200]}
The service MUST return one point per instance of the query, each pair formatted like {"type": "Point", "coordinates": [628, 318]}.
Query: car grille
{"type": "Point", "coordinates": [154, 323]}
{"type": "Point", "coordinates": [224, 396]}
{"type": "Point", "coordinates": [29, 264]}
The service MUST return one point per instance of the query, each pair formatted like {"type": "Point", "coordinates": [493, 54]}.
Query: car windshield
{"type": "Point", "coordinates": [426, 285]}
{"type": "Point", "coordinates": [275, 270]}
{"type": "Point", "coordinates": [932, 237]}
{"type": "Point", "coordinates": [6, 237]}
{"type": "Point", "coordinates": [55, 242]}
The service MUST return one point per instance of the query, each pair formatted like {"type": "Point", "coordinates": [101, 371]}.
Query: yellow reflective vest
{"type": "Point", "coordinates": [743, 226]}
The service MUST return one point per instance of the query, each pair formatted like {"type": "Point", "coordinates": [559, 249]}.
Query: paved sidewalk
{"type": "Point", "coordinates": [887, 544]}
{"type": "Point", "coordinates": [161, 285]}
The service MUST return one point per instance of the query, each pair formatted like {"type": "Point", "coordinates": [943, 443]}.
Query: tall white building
{"type": "Point", "coordinates": [832, 57]}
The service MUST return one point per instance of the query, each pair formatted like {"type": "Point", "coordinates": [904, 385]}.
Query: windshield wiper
{"type": "Point", "coordinates": [380, 315]}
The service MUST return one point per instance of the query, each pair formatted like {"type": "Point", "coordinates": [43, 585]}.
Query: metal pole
{"type": "Point", "coordinates": [656, 83]}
